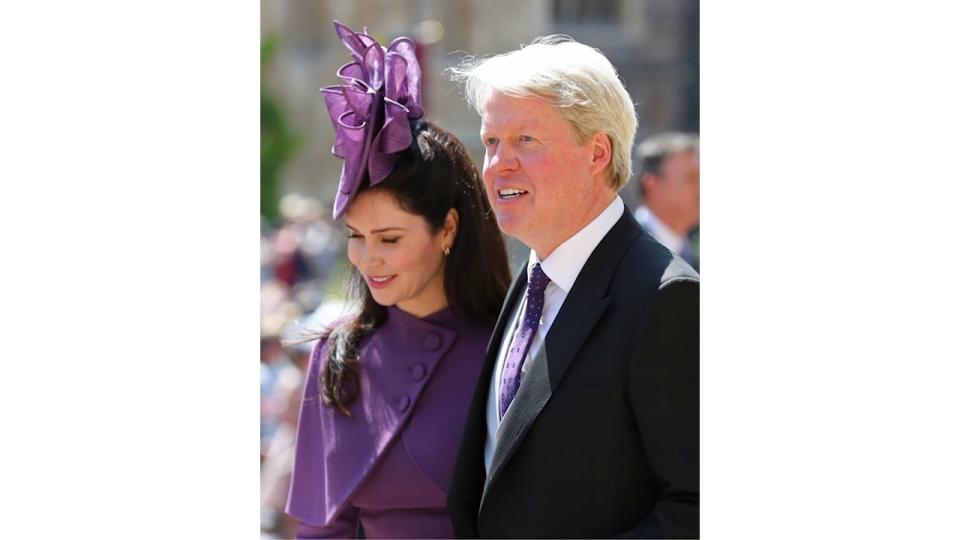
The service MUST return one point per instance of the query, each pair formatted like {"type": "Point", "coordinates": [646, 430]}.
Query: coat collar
{"type": "Point", "coordinates": [566, 261]}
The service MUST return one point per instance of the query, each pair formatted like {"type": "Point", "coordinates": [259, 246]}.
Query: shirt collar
{"type": "Point", "coordinates": [665, 235]}
{"type": "Point", "coordinates": [565, 262]}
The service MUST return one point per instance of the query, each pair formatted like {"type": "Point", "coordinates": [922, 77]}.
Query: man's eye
{"type": "Point", "coordinates": [490, 141]}
{"type": "Point", "coordinates": [525, 138]}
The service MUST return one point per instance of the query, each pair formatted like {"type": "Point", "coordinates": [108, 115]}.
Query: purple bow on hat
{"type": "Point", "coordinates": [372, 109]}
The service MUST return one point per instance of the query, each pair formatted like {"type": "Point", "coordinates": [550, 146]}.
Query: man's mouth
{"type": "Point", "coordinates": [510, 193]}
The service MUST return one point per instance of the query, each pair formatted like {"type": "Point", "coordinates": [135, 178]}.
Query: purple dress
{"type": "Point", "coordinates": [388, 467]}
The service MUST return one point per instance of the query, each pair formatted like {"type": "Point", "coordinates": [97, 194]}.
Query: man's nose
{"type": "Point", "coordinates": [504, 159]}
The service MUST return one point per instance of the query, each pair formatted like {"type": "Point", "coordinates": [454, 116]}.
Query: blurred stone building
{"type": "Point", "coordinates": [653, 44]}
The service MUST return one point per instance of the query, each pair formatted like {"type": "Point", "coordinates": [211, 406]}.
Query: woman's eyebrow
{"type": "Point", "coordinates": [383, 229]}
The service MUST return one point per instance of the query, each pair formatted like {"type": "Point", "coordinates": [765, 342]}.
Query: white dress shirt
{"type": "Point", "coordinates": [673, 241]}
{"type": "Point", "coordinates": [562, 267]}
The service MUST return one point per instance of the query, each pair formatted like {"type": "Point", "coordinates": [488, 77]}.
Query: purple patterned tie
{"type": "Point", "coordinates": [510, 377]}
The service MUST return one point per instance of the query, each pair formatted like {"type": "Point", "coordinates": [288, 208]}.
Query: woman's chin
{"type": "Point", "coordinates": [383, 300]}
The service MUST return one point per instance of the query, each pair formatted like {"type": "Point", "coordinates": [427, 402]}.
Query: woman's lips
{"type": "Point", "coordinates": [379, 282]}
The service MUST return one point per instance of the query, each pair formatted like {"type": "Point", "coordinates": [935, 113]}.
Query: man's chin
{"type": "Point", "coordinates": [510, 226]}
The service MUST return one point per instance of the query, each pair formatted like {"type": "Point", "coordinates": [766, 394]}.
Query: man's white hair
{"type": "Point", "coordinates": [576, 79]}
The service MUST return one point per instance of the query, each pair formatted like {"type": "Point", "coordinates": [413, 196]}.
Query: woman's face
{"type": "Point", "coordinates": [400, 259]}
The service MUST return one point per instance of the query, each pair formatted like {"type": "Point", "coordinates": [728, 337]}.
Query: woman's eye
{"type": "Point", "coordinates": [390, 240]}
{"type": "Point", "coordinates": [351, 235]}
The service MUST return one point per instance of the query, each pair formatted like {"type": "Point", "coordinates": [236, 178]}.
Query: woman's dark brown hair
{"type": "Point", "coordinates": [429, 178]}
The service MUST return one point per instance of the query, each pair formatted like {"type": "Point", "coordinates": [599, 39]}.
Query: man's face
{"type": "Point", "coordinates": [540, 182]}
{"type": "Point", "coordinates": [678, 188]}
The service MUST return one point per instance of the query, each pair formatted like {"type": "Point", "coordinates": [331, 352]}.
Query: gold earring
{"type": "Point", "coordinates": [446, 251]}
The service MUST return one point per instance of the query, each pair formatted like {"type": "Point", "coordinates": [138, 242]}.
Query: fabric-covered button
{"type": "Point", "coordinates": [419, 371]}
{"type": "Point", "coordinates": [431, 341]}
{"type": "Point", "coordinates": [404, 403]}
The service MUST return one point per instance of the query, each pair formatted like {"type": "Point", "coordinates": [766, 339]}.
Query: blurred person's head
{"type": "Point", "coordinates": [276, 310]}
{"type": "Point", "coordinates": [421, 239]}
{"type": "Point", "coordinates": [270, 348]}
{"type": "Point", "coordinates": [558, 128]}
{"type": "Point", "coordinates": [670, 178]}
{"type": "Point", "coordinates": [296, 208]}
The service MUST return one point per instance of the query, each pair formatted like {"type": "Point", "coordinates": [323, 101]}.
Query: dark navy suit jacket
{"type": "Point", "coordinates": [602, 438]}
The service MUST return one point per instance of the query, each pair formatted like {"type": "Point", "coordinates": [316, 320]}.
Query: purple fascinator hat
{"type": "Point", "coordinates": [371, 111]}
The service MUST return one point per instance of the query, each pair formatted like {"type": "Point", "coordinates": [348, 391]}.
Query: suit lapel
{"type": "Point", "coordinates": [581, 310]}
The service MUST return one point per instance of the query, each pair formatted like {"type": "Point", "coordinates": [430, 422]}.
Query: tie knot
{"type": "Point", "coordinates": [538, 280]}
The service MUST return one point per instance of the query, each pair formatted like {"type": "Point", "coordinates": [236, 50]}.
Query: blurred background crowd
{"type": "Point", "coordinates": [653, 43]}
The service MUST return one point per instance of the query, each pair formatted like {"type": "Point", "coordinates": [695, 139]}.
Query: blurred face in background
{"type": "Point", "coordinates": [543, 185]}
{"type": "Point", "coordinates": [400, 258]}
{"type": "Point", "coordinates": [674, 194]}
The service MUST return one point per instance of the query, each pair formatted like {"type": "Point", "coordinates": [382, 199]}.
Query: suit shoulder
{"type": "Point", "coordinates": [647, 266]}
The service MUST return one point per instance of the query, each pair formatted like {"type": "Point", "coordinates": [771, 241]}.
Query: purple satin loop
{"type": "Point", "coordinates": [371, 111]}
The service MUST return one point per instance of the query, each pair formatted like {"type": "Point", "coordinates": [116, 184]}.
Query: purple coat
{"type": "Point", "coordinates": [390, 464]}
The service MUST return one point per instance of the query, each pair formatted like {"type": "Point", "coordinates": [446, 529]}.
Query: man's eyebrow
{"type": "Point", "coordinates": [524, 126]}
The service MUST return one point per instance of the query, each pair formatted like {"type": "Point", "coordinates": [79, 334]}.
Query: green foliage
{"type": "Point", "coordinates": [278, 142]}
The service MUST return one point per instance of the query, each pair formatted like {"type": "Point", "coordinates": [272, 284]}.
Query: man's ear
{"type": "Point", "coordinates": [648, 181]}
{"type": "Point", "coordinates": [602, 153]}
